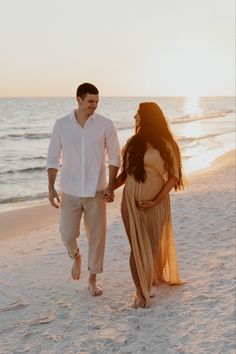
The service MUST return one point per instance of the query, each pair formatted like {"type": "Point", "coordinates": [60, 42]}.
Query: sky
{"type": "Point", "coordinates": [124, 47]}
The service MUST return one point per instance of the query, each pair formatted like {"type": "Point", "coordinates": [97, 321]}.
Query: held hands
{"type": "Point", "coordinates": [108, 194]}
{"type": "Point", "coordinates": [53, 196]}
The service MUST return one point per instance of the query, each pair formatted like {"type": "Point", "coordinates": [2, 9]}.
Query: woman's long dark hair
{"type": "Point", "coordinates": [153, 129]}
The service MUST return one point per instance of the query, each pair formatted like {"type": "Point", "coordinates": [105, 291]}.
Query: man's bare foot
{"type": "Point", "coordinates": [94, 288]}
{"type": "Point", "coordinates": [139, 301]}
{"type": "Point", "coordinates": [76, 267]}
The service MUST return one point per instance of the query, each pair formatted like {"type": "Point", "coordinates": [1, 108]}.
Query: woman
{"type": "Point", "coordinates": [151, 168]}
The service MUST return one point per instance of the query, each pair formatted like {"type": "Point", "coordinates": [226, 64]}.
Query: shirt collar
{"type": "Point", "coordinates": [93, 116]}
{"type": "Point", "coordinates": [73, 118]}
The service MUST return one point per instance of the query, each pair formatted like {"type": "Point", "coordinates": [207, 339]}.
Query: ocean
{"type": "Point", "coordinates": [204, 128]}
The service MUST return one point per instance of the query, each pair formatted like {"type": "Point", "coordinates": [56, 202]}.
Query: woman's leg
{"type": "Point", "coordinates": [139, 301]}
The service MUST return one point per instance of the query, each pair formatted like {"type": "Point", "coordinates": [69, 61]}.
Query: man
{"type": "Point", "coordinates": [80, 141]}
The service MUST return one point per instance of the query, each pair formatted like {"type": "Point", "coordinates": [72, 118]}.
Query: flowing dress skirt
{"type": "Point", "coordinates": [150, 233]}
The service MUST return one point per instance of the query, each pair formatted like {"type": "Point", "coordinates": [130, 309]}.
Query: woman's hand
{"type": "Point", "coordinates": [147, 204]}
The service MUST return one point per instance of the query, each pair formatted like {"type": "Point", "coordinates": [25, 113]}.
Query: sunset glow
{"type": "Point", "coordinates": [159, 48]}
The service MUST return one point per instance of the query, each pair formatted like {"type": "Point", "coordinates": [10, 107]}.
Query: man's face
{"type": "Point", "coordinates": [89, 104]}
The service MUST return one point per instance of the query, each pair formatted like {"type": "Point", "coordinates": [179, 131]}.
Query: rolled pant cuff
{"type": "Point", "coordinates": [73, 254]}
{"type": "Point", "coordinates": [96, 271]}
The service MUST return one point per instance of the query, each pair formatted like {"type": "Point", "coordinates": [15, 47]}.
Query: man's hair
{"type": "Point", "coordinates": [86, 88]}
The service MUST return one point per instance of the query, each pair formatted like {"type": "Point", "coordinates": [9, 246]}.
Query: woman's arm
{"type": "Point", "coordinates": [120, 180]}
{"type": "Point", "coordinates": [160, 196]}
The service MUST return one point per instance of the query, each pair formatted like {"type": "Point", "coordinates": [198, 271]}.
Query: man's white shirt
{"type": "Point", "coordinates": [82, 153]}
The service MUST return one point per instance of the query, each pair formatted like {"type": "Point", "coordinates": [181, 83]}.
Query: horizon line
{"type": "Point", "coordinates": [127, 96]}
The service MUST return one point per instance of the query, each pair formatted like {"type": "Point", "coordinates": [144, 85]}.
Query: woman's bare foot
{"type": "Point", "coordinates": [139, 301]}
{"type": "Point", "coordinates": [152, 292]}
{"type": "Point", "coordinates": [76, 267]}
{"type": "Point", "coordinates": [94, 288]}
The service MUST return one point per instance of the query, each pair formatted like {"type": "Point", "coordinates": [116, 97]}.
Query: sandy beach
{"type": "Point", "coordinates": [43, 311]}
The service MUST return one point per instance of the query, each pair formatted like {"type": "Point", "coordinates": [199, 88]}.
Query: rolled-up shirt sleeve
{"type": "Point", "coordinates": [54, 149]}
{"type": "Point", "coordinates": [112, 146]}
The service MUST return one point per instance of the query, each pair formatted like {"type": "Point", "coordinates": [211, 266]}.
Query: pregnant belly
{"type": "Point", "coordinates": [147, 190]}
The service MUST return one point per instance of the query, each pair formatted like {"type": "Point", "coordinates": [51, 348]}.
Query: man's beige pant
{"type": "Point", "coordinates": [94, 211]}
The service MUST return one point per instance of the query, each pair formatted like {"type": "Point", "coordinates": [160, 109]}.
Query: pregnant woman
{"type": "Point", "coordinates": [151, 168]}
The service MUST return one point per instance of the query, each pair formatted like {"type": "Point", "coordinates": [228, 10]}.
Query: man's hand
{"type": "Point", "coordinates": [108, 194]}
{"type": "Point", "coordinates": [53, 196]}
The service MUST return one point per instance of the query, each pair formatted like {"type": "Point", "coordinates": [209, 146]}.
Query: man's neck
{"type": "Point", "coordinates": [81, 117]}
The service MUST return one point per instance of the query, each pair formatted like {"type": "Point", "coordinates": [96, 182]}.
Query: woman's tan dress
{"type": "Point", "coordinates": [150, 231]}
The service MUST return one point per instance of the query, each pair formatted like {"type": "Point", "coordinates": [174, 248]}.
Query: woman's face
{"type": "Point", "coordinates": [137, 120]}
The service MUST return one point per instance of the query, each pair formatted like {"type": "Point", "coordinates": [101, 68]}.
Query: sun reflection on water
{"type": "Point", "coordinates": [192, 105]}
{"type": "Point", "coordinates": [200, 155]}
{"type": "Point", "coordinates": [192, 130]}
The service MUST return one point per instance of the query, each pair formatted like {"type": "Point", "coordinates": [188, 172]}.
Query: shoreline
{"type": "Point", "coordinates": [222, 160]}
{"type": "Point", "coordinates": [188, 171]}
{"type": "Point", "coordinates": [31, 218]}
{"type": "Point", "coordinates": [194, 164]}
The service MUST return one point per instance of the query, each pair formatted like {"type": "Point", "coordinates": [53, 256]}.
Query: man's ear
{"type": "Point", "coordinates": [79, 100]}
